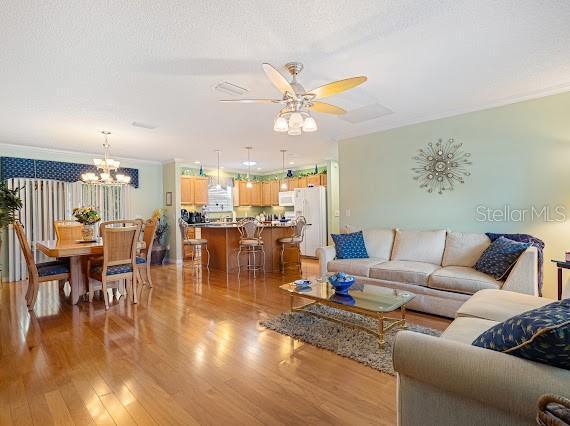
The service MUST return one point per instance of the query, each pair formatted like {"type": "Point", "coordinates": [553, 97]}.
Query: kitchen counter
{"type": "Point", "coordinates": [223, 244]}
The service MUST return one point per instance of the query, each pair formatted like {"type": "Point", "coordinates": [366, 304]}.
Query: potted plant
{"type": "Point", "coordinates": [159, 247]}
{"type": "Point", "coordinates": [10, 203]}
{"type": "Point", "coordinates": [88, 217]}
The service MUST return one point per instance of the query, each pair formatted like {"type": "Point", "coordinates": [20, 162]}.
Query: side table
{"type": "Point", "coordinates": [560, 264]}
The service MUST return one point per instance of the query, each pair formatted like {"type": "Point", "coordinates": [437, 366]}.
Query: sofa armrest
{"type": "Point", "coordinates": [325, 255]}
{"type": "Point", "coordinates": [523, 278]}
{"type": "Point", "coordinates": [468, 372]}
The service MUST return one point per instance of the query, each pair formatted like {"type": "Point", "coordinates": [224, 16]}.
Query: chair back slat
{"type": "Point", "coordinates": [300, 226]}
{"type": "Point", "coordinates": [26, 249]}
{"type": "Point", "coordinates": [120, 240]}
{"type": "Point", "coordinates": [149, 232]}
{"type": "Point", "coordinates": [250, 229]}
{"type": "Point", "coordinates": [68, 230]}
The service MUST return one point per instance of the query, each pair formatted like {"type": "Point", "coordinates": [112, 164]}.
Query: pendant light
{"type": "Point", "coordinates": [218, 186]}
{"type": "Point", "coordinates": [283, 182]}
{"type": "Point", "coordinates": [248, 185]}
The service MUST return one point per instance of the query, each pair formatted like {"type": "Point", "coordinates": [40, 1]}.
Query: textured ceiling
{"type": "Point", "coordinates": [69, 69]}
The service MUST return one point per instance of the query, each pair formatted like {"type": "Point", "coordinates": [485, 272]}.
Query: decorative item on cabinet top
{"type": "Point", "coordinates": [14, 167]}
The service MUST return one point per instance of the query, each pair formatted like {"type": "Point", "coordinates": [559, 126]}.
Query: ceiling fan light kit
{"type": "Point", "coordinates": [295, 117]}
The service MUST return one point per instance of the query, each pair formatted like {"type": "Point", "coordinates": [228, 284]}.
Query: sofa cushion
{"type": "Point", "coordinates": [419, 246]}
{"type": "Point", "coordinates": [500, 305]}
{"type": "Point", "coordinates": [403, 271]}
{"type": "Point", "coordinates": [350, 246]}
{"type": "Point", "coordinates": [541, 335]}
{"type": "Point", "coordinates": [464, 248]}
{"type": "Point", "coordinates": [465, 330]}
{"type": "Point", "coordinates": [462, 280]}
{"type": "Point", "coordinates": [378, 241]}
{"type": "Point", "coordinates": [360, 267]}
{"type": "Point", "coordinates": [498, 259]}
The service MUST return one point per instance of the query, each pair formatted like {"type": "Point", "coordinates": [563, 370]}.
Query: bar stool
{"type": "Point", "coordinates": [294, 241]}
{"type": "Point", "coordinates": [250, 241]}
{"type": "Point", "coordinates": [196, 244]}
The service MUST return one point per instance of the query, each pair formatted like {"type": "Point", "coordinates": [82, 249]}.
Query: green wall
{"type": "Point", "coordinates": [520, 155]}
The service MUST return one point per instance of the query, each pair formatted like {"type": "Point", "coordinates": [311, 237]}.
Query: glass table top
{"type": "Point", "coordinates": [363, 296]}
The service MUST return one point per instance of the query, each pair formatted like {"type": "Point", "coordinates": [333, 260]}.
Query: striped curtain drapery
{"type": "Point", "coordinates": [47, 200]}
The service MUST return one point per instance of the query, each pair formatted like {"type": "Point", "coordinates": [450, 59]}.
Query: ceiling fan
{"type": "Point", "coordinates": [295, 118]}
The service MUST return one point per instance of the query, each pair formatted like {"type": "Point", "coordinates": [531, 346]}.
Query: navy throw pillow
{"type": "Point", "coordinates": [498, 259]}
{"type": "Point", "coordinates": [541, 335]}
{"type": "Point", "coordinates": [350, 246]}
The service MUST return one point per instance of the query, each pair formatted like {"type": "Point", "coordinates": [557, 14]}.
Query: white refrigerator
{"type": "Point", "coordinates": [312, 203]}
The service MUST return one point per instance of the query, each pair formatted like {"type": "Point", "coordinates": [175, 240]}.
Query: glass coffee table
{"type": "Point", "coordinates": [365, 299]}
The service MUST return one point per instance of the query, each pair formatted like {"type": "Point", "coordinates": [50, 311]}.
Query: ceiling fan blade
{"type": "Point", "coordinates": [252, 101]}
{"type": "Point", "coordinates": [277, 79]}
{"type": "Point", "coordinates": [337, 87]}
{"type": "Point", "coordinates": [327, 108]}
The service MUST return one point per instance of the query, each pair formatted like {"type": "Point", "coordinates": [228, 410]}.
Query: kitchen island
{"type": "Point", "coordinates": [223, 244]}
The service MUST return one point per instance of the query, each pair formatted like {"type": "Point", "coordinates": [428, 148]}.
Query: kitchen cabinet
{"type": "Point", "coordinates": [292, 183]}
{"type": "Point", "coordinates": [265, 193]}
{"type": "Point", "coordinates": [314, 180]}
{"type": "Point", "coordinates": [201, 190]}
{"type": "Point", "coordinates": [244, 194]}
{"type": "Point", "coordinates": [256, 193]}
{"type": "Point", "coordinates": [186, 190]}
{"type": "Point", "coordinates": [194, 190]}
{"type": "Point", "coordinates": [275, 188]}
{"type": "Point", "coordinates": [302, 182]}
{"type": "Point", "coordinates": [323, 179]}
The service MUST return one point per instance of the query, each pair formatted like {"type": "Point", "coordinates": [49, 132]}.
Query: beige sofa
{"type": "Point", "coordinates": [446, 381]}
{"type": "Point", "coordinates": [435, 265]}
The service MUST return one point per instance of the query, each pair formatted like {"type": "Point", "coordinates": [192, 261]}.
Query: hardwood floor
{"type": "Point", "coordinates": [191, 352]}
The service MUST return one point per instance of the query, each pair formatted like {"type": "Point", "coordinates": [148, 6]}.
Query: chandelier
{"type": "Point", "coordinates": [104, 167]}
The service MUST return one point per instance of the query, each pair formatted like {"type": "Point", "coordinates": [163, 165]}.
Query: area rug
{"type": "Point", "coordinates": [344, 340]}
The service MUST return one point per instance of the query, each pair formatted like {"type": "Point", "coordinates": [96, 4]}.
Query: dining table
{"type": "Point", "coordinates": [77, 252]}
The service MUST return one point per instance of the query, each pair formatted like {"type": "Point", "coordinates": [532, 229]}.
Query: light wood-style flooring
{"type": "Point", "coordinates": [191, 352]}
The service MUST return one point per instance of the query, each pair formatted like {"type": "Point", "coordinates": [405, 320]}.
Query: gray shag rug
{"type": "Point", "coordinates": [346, 341]}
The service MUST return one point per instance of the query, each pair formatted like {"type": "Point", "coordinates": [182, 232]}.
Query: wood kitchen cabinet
{"type": "Point", "coordinates": [292, 183]}
{"type": "Point", "coordinates": [266, 193]}
{"type": "Point", "coordinates": [302, 182]}
{"type": "Point", "coordinates": [275, 188]}
{"type": "Point", "coordinates": [244, 194]}
{"type": "Point", "coordinates": [194, 190]}
{"type": "Point", "coordinates": [256, 193]}
{"type": "Point", "coordinates": [314, 180]}
{"type": "Point", "coordinates": [250, 196]}
{"type": "Point", "coordinates": [323, 179]}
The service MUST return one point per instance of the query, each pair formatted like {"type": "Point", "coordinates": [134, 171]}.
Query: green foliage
{"type": "Point", "coordinates": [86, 215]}
{"type": "Point", "coordinates": [10, 203]}
{"type": "Point", "coordinates": [161, 226]}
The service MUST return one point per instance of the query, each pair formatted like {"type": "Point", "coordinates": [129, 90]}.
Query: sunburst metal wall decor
{"type": "Point", "coordinates": [441, 166]}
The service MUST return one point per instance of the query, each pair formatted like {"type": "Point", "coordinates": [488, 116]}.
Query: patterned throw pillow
{"type": "Point", "coordinates": [541, 335]}
{"type": "Point", "coordinates": [498, 259]}
{"type": "Point", "coordinates": [350, 246]}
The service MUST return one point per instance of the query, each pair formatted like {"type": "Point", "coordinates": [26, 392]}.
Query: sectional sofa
{"type": "Point", "coordinates": [446, 381]}
{"type": "Point", "coordinates": [435, 265]}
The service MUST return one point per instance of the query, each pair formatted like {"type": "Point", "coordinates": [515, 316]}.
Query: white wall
{"type": "Point", "coordinates": [521, 158]}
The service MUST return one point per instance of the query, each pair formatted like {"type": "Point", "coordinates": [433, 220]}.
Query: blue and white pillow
{"type": "Point", "coordinates": [541, 335]}
{"type": "Point", "coordinates": [350, 246]}
{"type": "Point", "coordinates": [498, 259]}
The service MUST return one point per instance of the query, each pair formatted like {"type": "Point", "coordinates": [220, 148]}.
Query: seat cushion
{"type": "Point", "coordinates": [465, 330]}
{"type": "Point", "coordinates": [540, 335]}
{"type": "Point", "coordinates": [360, 267]}
{"type": "Point", "coordinates": [113, 270]}
{"type": "Point", "coordinates": [462, 280]}
{"type": "Point", "coordinates": [419, 246]}
{"type": "Point", "coordinates": [250, 242]}
{"type": "Point", "coordinates": [403, 271]}
{"type": "Point", "coordinates": [290, 240]}
{"type": "Point", "coordinates": [140, 260]}
{"type": "Point", "coordinates": [350, 246]}
{"type": "Point", "coordinates": [500, 305]}
{"type": "Point", "coordinates": [378, 241]}
{"type": "Point", "coordinates": [52, 268]}
{"type": "Point", "coordinates": [464, 249]}
{"type": "Point", "coordinates": [498, 259]}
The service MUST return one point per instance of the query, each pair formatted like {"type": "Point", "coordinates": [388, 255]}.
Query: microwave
{"type": "Point", "coordinates": [287, 198]}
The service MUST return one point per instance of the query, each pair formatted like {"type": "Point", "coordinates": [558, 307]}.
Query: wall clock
{"type": "Point", "coordinates": [441, 166]}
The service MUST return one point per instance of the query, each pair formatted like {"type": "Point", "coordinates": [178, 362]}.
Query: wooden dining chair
{"type": "Point", "coordinates": [143, 258]}
{"type": "Point", "coordinates": [39, 272]}
{"type": "Point", "coordinates": [68, 230]}
{"type": "Point", "coordinates": [120, 239]}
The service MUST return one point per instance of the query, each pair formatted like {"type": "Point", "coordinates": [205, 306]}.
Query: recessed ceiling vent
{"type": "Point", "coordinates": [230, 88]}
{"type": "Point", "coordinates": [366, 113]}
{"type": "Point", "coordinates": [143, 125]}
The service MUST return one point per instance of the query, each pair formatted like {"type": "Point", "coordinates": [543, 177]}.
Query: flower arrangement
{"type": "Point", "coordinates": [162, 226]}
{"type": "Point", "coordinates": [86, 215]}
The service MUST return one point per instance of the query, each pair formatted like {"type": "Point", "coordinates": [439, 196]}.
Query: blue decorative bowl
{"type": "Point", "coordinates": [343, 299]}
{"type": "Point", "coordinates": [341, 282]}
